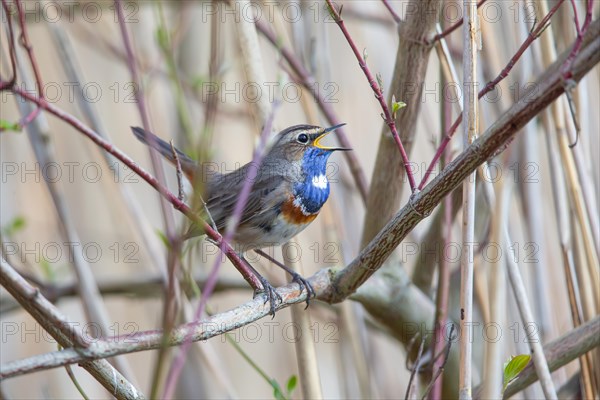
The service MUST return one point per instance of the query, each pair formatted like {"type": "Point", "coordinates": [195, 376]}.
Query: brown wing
{"type": "Point", "coordinates": [223, 193]}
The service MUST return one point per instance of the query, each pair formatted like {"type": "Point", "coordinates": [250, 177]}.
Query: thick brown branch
{"type": "Point", "coordinates": [334, 287]}
{"type": "Point", "coordinates": [559, 352]}
{"type": "Point", "coordinates": [547, 89]}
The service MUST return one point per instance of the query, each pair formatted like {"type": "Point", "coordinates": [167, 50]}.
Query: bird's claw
{"type": "Point", "coordinates": [304, 283]}
{"type": "Point", "coordinates": [271, 295]}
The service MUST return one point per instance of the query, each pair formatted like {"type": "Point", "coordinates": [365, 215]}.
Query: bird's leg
{"type": "Point", "coordinates": [296, 277]}
{"type": "Point", "coordinates": [271, 294]}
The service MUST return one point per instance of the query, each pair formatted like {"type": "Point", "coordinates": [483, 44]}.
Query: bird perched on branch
{"type": "Point", "coordinates": [289, 188]}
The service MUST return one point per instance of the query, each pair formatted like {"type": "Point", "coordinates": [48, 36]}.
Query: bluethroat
{"type": "Point", "coordinates": [288, 192]}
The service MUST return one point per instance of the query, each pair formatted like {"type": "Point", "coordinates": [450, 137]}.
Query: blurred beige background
{"type": "Point", "coordinates": [121, 247]}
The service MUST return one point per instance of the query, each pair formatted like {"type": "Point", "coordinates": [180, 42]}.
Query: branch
{"type": "Point", "coordinates": [152, 340]}
{"type": "Point", "coordinates": [412, 57]}
{"type": "Point", "coordinates": [50, 318]}
{"type": "Point", "coordinates": [140, 286]}
{"type": "Point", "coordinates": [308, 81]}
{"type": "Point", "coordinates": [470, 130]}
{"type": "Point", "coordinates": [490, 86]}
{"type": "Point", "coordinates": [331, 285]}
{"type": "Point", "coordinates": [548, 88]}
{"type": "Point", "coordinates": [179, 205]}
{"type": "Point", "coordinates": [559, 352]}
{"type": "Point", "coordinates": [393, 13]}
{"type": "Point", "coordinates": [377, 89]}
{"type": "Point", "coordinates": [232, 227]}
{"type": "Point", "coordinates": [452, 28]}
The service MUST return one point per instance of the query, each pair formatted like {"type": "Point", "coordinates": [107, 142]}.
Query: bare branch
{"type": "Point", "coordinates": [64, 332]}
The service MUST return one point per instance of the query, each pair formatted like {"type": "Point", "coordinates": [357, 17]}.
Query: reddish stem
{"type": "Point", "coordinates": [490, 86]}
{"type": "Point", "coordinates": [579, 41]}
{"type": "Point", "coordinates": [378, 94]}
{"type": "Point", "coordinates": [443, 287]}
{"type": "Point", "coordinates": [32, 60]}
{"type": "Point", "coordinates": [211, 282]}
{"type": "Point", "coordinates": [392, 12]}
{"type": "Point", "coordinates": [452, 28]}
{"type": "Point", "coordinates": [308, 81]}
{"type": "Point", "coordinates": [179, 205]}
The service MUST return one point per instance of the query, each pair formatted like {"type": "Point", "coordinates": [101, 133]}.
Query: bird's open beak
{"type": "Point", "coordinates": [322, 134]}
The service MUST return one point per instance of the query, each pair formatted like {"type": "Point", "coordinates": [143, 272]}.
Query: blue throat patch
{"type": "Point", "coordinates": [314, 165]}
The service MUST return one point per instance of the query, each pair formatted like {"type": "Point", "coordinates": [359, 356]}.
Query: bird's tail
{"type": "Point", "coordinates": [187, 164]}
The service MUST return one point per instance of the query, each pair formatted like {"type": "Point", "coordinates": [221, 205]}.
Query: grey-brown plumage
{"type": "Point", "coordinates": [287, 194]}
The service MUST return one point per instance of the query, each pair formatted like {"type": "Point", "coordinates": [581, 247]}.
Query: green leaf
{"type": "Point", "coordinates": [514, 367]}
{"type": "Point", "coordinates": [291, 384]}
{"type": "Point", "coordinates": [14, 226]}
{"type": "Point", "coordinates": [277, 393]}
{"type": "Point", "coordinates": [9, 126]}
{"type": "Point", "coordinates": [365, 54]}
{"type": "Point", "coordinates": [163, 237]}
{"type": "Point", "coordinates": [396, 105]}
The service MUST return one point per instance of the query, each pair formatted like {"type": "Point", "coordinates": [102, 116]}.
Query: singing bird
{"type": "Point", "coordinates": [288, 192]}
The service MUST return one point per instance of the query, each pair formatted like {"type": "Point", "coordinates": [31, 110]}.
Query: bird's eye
{"type": "Point", "coordinates": [303, 138]}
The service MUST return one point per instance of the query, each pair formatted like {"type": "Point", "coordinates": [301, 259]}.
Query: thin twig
{"type": "Point", "coordinates": [308, 81]}
{"type": "Point", "coordinates": [93, 305]}
{"type": "Point", "coordinates": [378, 90]}
{"type": "Point", "coordinates": [393, 13]}
{"type": "Point", "coordinates": [331, 285]}
{"type": "Point", "coordinates": [239, 264]}
{"type": "Point", "coordinates": [65, 333]}
{"type": "Point", "coordinates": [580, 32]}
{"type": "Point", "coordinates": [411, 388]}
{"type": "Point", "coordinates": [211, 282]}
{"type": "Point", "coordinates": [76, 382]}
{"type": "Point", "coordinates": [32, 61]}
{"type": "Point", "coordinates": [537, 352]}
{"type": "Point", "coordinates": [490, 86]}
{"type": "Point", "coordinates": [440, 368]}
{"type": "Point", "coordinates": [452, 28]}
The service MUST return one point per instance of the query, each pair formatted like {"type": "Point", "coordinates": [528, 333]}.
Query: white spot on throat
{"type": "Point", "coordinates": [320, 181]}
